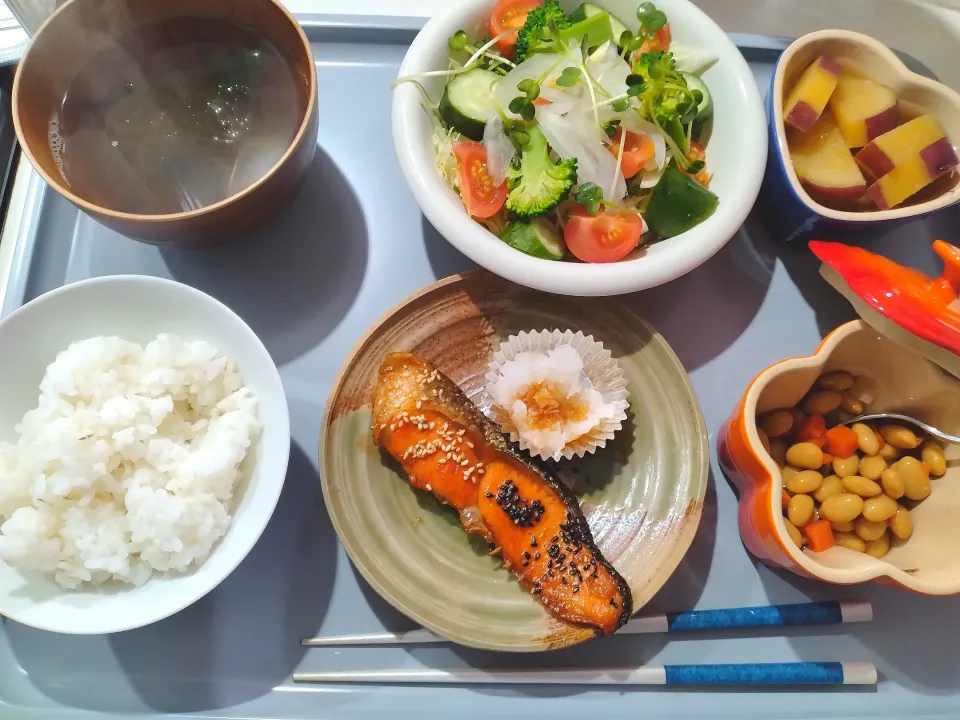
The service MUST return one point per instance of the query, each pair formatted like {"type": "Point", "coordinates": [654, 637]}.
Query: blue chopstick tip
{"type": "Point", "coordinates": [798, 673]}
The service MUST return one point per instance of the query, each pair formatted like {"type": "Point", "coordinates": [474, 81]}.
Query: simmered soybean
{"type": "Point", "coordinates": [856, 492]}
{"type": "Point", "coordinates": [805, 481]}
{"type": "Point", "coordinates": [892, 483]}
{"type": "Point", "coordinates": [850, 540]}
{"type": "Point", "coordinates": [841, 508]}
{"type": "Point", "coordinates": [777, 423]}
{"type": "Point", "coordinates": [805, 455]}
{"type": "Point", "coordinates": [866, 439]}
{"type": "Point", "coordinates": [860, 486]}
{"type": "Point", "coordinates": [830, 486]}
{"type": "Point", "coordinates": [869, 530]}
{"type": "Point", "coordinates": [838, 380]}
{"type": "Point", "coordinates": [794, 534]}
{"type": "Point", "coordinates": [800, 509]}
{"type": "Point", "coordinates": [879, 547]}
{"type": "Point", "coordinates": [889, 453]}
{"type": "Point", "coordinates": [916, 481]}
{"type": "Point", "coordinates": [872, 467]}
{"type": "Point", "coordinates": [879, 508]}
{"type": "Point", "coordinates": [823, 402]}
{"type": "Point", "coordinates": [899, 436]}
{"type": "Point", "coordinates": [901, 524]}
{"type": "Point", "coordinates": [932, 455]}
{"type": "Point", "coordinates": [846, 466]}
{"type": "Point", "coordinates": [778, 451]}
{"type": "Point", "coordinates": [851, 404]}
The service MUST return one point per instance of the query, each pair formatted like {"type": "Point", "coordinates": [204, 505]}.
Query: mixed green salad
{"type": "Point", "coordinates": [569, 133]}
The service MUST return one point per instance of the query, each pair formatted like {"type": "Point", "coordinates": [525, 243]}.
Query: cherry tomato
{"type": "Point", "coordinates": [606, 237]}
{"type": "Point", "coordinates": [480, 196]}
{"type": "Point", "coordinates": [510, 15]}
{"type": "Point", "coordinates": [660, 41]}
{"type": "Point", "coordinates": [637, 151]}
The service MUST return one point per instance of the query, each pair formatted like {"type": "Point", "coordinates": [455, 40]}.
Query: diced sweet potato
{"type": "Point", "coordinates": [939, 157]}
{"type": "Point", "coordinates": [899, 145]}
{"type": "Point", "coordinates": [809, 96]}
{"type": "Point", "coordinates": [824, 164]}
{"type": "Point", "coordinates": [864, 110]}
{"type": "Point", "coordinates": [910, 177]}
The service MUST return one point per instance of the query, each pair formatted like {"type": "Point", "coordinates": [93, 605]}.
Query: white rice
{"type": "Point", "coordinates": [129, 463]}
{"type": "Point", "coordinates": [562, 368]}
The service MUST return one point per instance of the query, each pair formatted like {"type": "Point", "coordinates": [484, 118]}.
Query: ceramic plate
{"type": "Point", "coordinates": [642, 494]}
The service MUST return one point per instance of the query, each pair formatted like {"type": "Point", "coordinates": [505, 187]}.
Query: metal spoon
{"type": "Point", "coordinates": [929, 429]}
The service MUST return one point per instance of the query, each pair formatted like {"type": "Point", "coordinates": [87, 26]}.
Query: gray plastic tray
{"type": "Point", "coordinates": [352, 244]}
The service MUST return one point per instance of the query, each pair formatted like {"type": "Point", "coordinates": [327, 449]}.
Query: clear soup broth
{"type": "Point", "coordinates": [175, 116]}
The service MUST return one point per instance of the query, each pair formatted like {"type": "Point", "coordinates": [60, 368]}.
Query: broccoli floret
{"type": "Point", "coordinates": [656, 66]}
{"type": "Point", "coordinates": [536, 184]}
{"type": "Point", "coordinates": [539, 32]}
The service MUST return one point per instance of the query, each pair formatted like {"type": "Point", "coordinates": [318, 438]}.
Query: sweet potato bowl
{"type": "Point", "coordinates": [794, 205]}
{"type": "Point", "coordinates": [929, 562]}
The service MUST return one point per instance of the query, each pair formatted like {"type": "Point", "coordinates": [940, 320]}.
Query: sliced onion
{"type": "Point", "coordinates": [632, 121]}
{"type": "Point", "coordinates": [500, 150]}
{"type": "Point", "coordinates": [606, 54]}
{"type": "Point", "coordinates": [610, 173]}
{"type": "Point", "coordinates": [584, 123]}
{"type": "Point", "coordinates": [608, 69]}
{"type": "Point", "coordinates": [566, 143]}
{"type": "Point", "coordinates": [693, 60]}
{"type": "Point", "coordinates": [643, 224]}
{"type": "Point", "coordinates": [574, 54]}
{"type": "Point", "coordinates": [543, 68]}
{"type": "Point", "coordinates": [659, 159]}
{"type": "Point", "coordinates": [649, 178]}
{"type": "Point", "coordinates": [561, 101]}
{"type": "Point", "coordinates": [574, 135]}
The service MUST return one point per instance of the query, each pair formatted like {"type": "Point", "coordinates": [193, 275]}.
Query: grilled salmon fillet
{"type": "Point", "coordinates": [447, 447]}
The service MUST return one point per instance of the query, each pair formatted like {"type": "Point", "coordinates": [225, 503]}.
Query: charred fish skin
{"type": "Point", "coordinates": [448, 447]}
{"type": "Point", "coordinates": [580, 528]}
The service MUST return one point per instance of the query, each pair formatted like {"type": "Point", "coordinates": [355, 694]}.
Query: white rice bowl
{"type": "Point", "coordinates": [129, 464]}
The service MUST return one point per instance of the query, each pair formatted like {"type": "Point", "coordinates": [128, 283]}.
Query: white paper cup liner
{"type": "Point", "coordinates": [600, 367]}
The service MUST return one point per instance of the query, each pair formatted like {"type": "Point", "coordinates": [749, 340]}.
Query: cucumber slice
{"type": "Point", "coordinates": [588, 10]}
{"type": "Point", "coordinates": [705, 108]}
{"type": "Point", "coordinates": [468, 102]}
{"type": "Point", "coordinates": [536, 237]}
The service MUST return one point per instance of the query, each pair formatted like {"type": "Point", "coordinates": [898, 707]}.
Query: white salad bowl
{"type": "Point", "coordinates": [138, 308]}
{"type": "Point", "coordinates": [736, 156]}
